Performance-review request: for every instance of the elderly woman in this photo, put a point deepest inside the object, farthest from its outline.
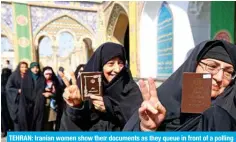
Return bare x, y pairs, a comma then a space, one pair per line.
121, 95
160, 109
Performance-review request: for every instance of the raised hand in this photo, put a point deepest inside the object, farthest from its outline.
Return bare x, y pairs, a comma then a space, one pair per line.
71, 93
63, 77
151, 112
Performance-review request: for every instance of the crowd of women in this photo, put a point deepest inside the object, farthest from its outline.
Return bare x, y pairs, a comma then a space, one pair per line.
36, 100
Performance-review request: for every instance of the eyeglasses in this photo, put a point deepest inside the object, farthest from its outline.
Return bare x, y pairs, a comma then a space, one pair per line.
229, 74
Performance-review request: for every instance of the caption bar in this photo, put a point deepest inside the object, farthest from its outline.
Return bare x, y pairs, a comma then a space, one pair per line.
122, 136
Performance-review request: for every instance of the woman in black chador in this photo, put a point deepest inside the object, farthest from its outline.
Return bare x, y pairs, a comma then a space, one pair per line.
31, 100
13, 90
53, 91
161, 109
5, 117
121, 95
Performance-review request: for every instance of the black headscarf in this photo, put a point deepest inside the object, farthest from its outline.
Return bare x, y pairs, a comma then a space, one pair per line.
4, 76
219, 53
35, 76
103, 54
54, 77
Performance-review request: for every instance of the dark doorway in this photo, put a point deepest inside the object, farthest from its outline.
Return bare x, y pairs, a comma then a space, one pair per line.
126, 44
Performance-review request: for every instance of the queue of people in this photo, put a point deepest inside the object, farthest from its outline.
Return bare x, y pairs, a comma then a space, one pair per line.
38, 100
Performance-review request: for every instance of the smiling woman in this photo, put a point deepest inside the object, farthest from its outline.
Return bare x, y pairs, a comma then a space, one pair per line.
111, 111
112, 68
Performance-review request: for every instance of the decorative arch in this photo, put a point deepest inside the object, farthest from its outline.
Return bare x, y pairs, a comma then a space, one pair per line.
41, 36
7, 33
89, 37
122, 5
66, 30
88, 44
54, 31
117, 10
64, 15
86, 48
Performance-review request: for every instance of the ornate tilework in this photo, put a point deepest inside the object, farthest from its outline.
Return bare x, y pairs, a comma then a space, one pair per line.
41, 15
86, 4
62, 2
6, 15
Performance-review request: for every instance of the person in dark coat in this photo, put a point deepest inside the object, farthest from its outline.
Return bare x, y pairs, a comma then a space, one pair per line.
31, 100
121, 95
13, 90
5, 116
161, 110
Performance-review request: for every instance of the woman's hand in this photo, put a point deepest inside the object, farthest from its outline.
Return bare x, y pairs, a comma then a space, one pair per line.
48, 90
152, 112
47, 94
98, 103
71, 93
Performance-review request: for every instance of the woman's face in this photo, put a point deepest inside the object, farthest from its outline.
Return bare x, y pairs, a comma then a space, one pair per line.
23, 68
48, 76
220, 78
35, 69
112, 68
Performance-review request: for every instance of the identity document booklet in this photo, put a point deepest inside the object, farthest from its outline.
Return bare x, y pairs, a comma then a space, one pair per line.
91, 83
196, 92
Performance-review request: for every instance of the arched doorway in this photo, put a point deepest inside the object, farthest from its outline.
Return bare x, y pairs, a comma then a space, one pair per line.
88, 48
118, 28
45, 52
121, 32
65, 51
67, 34
7, 51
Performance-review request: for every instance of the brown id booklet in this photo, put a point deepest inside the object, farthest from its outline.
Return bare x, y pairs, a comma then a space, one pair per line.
91, 83
196, 92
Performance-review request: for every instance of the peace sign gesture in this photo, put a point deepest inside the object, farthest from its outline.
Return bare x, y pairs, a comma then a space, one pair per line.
151, 112
71, 93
